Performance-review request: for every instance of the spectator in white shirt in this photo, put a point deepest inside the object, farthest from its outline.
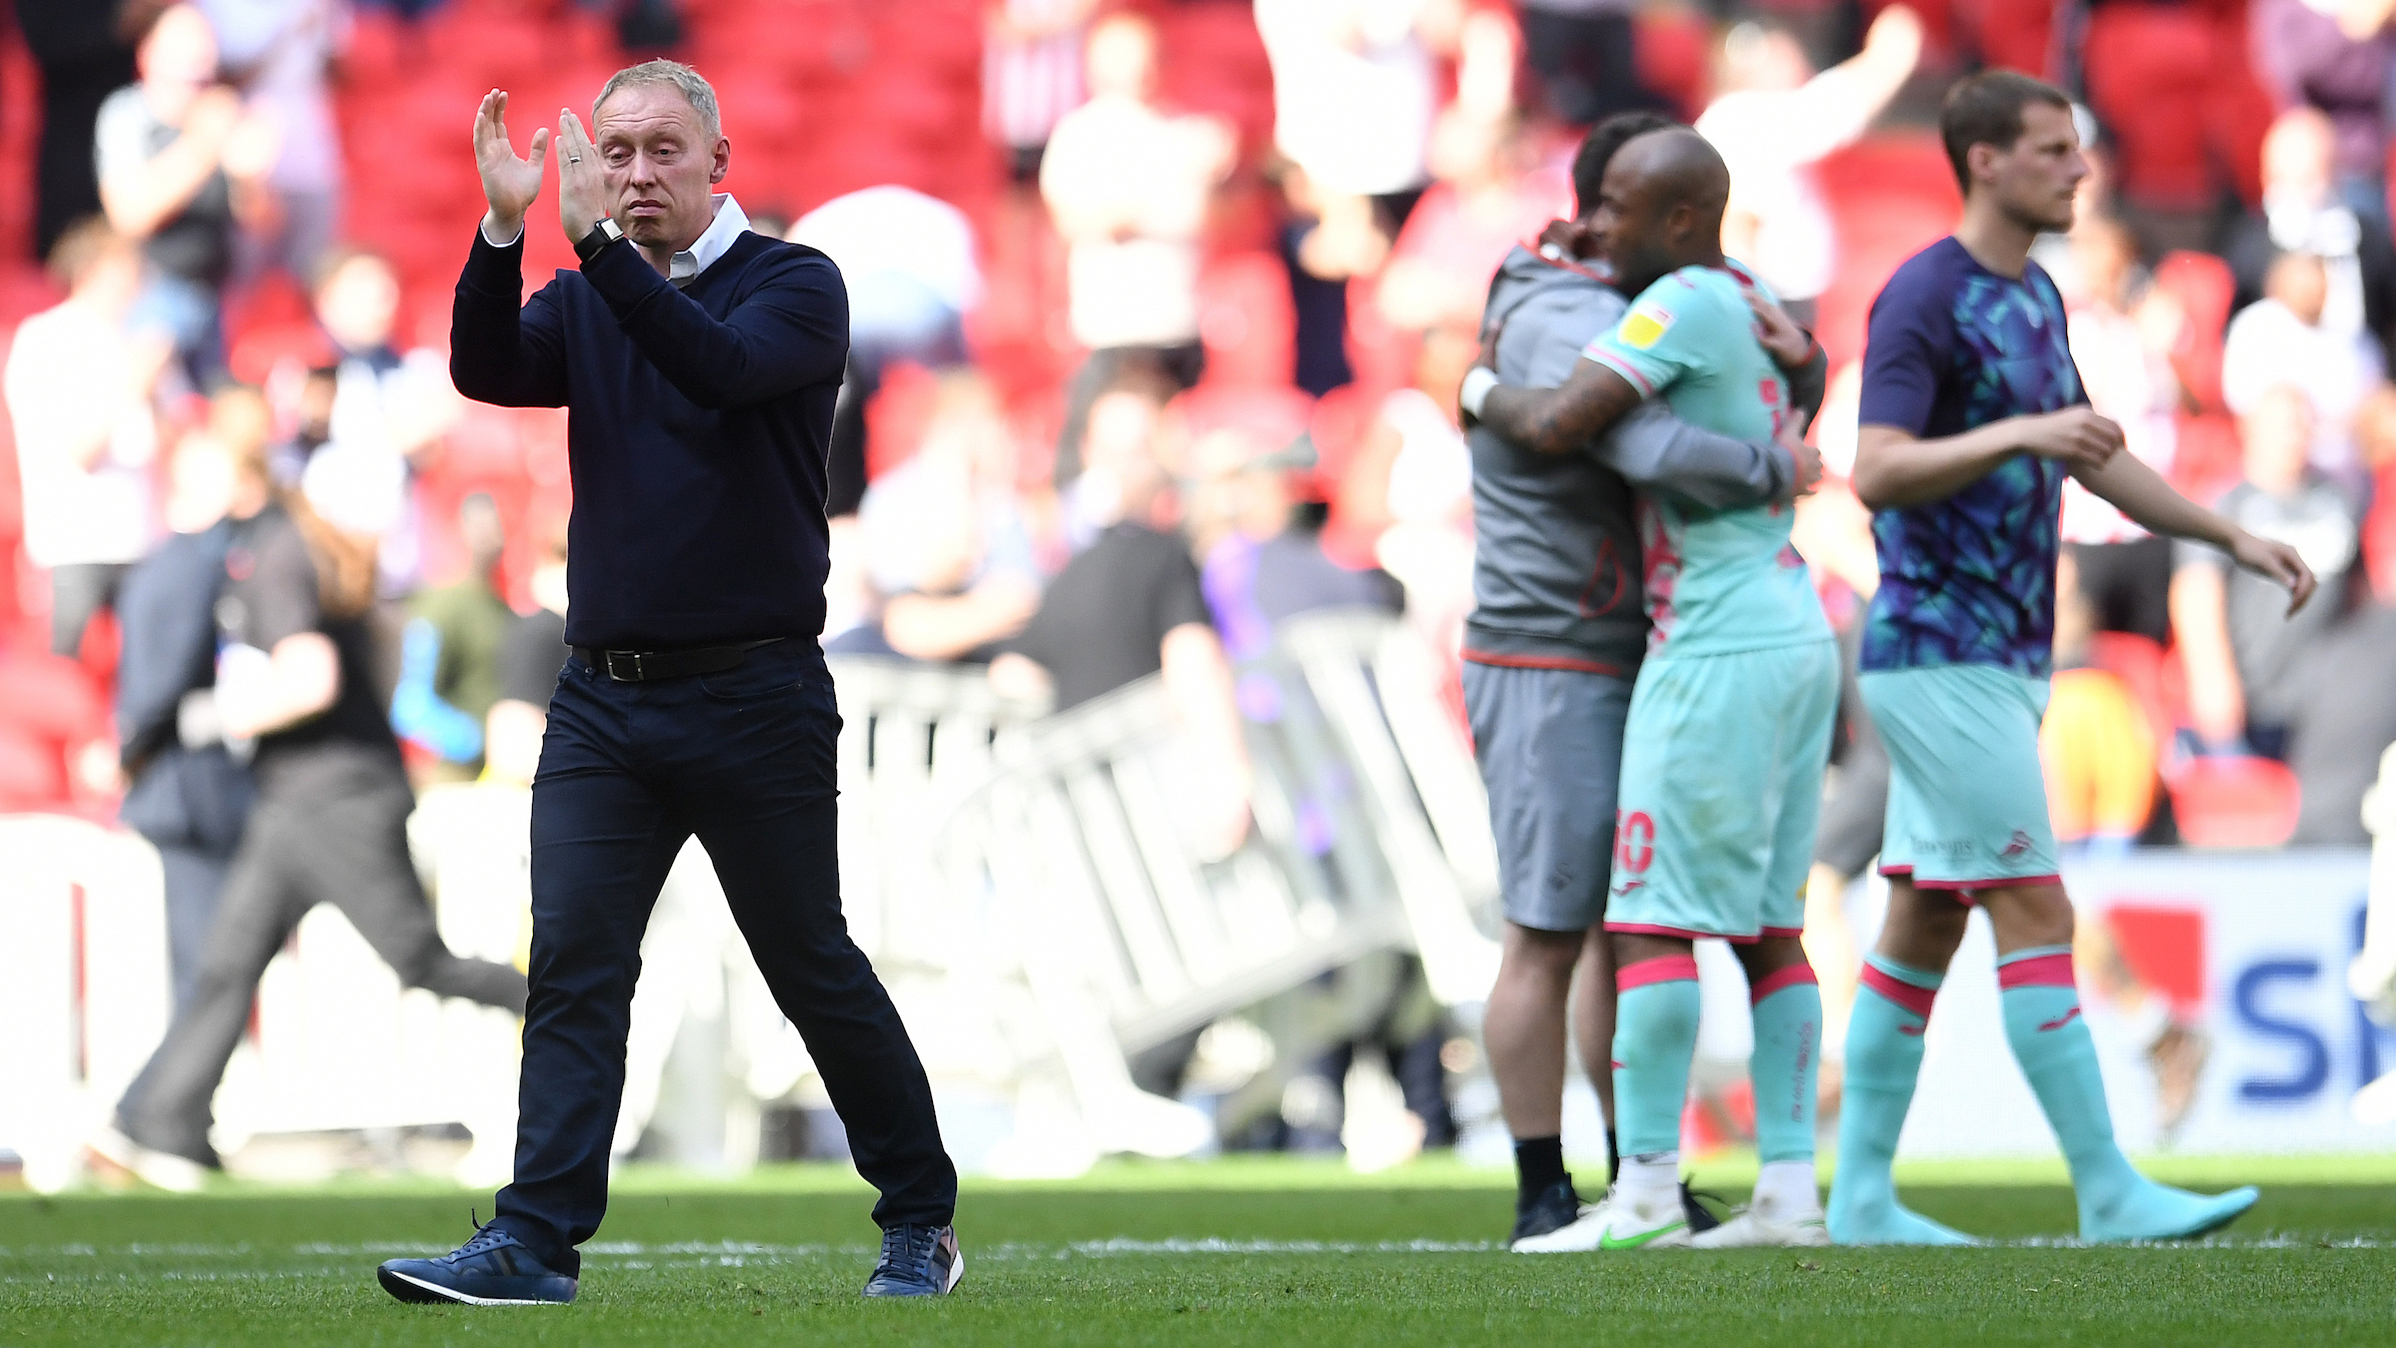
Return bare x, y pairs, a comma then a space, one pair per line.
79, 386
1773, 119
1128, 184
2283, 340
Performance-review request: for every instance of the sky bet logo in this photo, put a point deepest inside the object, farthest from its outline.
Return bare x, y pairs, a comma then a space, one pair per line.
2259, 994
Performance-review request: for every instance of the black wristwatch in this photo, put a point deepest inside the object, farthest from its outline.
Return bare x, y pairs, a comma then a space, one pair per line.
602, 234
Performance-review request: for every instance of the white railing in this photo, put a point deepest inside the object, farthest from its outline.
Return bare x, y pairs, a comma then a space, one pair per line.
1022, 883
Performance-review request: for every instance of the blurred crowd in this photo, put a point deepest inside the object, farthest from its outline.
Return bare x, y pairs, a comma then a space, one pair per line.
1159, 311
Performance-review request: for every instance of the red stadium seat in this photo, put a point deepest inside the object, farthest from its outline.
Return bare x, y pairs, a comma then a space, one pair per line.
1246, 320
32, 775
2140, 664
2379, 537
2018, 34
2234, 802
1675, 50
2150, 72
2204, 287
1890, 197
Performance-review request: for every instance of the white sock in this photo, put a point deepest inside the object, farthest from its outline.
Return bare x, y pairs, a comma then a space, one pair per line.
1787, 1189
1651, 1181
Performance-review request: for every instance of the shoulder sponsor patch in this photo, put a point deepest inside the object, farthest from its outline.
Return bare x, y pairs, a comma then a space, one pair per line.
1644, 326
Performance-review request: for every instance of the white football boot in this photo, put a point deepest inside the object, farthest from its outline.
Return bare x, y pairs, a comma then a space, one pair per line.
1765, 1222
1641, 1221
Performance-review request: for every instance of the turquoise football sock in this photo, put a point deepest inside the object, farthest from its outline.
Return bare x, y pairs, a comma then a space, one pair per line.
1884, 1060
2050, 1040
1787, 1058
1655, 1038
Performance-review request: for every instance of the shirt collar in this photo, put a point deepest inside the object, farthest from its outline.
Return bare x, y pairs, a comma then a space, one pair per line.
730, 223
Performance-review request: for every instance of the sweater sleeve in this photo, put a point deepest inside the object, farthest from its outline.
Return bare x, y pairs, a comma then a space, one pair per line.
791, 329
503, 349
1652, 448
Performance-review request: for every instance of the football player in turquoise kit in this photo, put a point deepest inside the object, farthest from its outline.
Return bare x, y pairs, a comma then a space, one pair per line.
1729, 725
1972, 416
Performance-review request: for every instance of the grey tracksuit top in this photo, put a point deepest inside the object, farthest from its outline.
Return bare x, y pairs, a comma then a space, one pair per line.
1556, 563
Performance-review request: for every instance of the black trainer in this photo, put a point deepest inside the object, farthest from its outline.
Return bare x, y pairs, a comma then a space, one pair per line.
1701, 1217
1556, 1207
917, 1261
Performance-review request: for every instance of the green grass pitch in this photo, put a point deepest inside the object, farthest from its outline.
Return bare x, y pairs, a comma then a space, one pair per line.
1244, 1252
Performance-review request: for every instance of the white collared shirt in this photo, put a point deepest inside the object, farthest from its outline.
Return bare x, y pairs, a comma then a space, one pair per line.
730, 223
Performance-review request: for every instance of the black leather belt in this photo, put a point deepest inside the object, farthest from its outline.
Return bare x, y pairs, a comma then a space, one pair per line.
643, 666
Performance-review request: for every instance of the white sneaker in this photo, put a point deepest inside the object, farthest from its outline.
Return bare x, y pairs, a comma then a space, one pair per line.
1582, 1233
165, 1170
1761, 1224
1624, 1223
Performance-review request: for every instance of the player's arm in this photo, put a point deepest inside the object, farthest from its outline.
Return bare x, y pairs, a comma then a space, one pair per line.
1552, 420
1658, 451
1894, 468
1907, 356
2139, 492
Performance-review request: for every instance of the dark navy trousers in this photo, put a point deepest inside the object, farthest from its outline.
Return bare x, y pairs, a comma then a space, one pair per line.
629, 771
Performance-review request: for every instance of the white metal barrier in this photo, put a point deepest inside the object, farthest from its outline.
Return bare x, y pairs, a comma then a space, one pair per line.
1022, 883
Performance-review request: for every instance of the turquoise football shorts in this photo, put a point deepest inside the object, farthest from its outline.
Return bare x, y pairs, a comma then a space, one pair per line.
1967, 800
1722, 765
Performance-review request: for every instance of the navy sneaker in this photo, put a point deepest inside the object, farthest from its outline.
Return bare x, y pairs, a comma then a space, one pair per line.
493, 1269
917, 1261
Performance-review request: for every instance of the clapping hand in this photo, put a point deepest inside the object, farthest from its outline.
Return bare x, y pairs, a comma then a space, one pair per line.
581, 178
509, 183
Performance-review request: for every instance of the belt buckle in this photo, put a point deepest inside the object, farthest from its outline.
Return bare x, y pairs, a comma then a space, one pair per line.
636, 676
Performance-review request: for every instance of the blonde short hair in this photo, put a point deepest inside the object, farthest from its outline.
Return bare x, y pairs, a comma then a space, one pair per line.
664, 74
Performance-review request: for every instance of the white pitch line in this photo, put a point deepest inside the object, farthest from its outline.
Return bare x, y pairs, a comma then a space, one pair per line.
641, 1255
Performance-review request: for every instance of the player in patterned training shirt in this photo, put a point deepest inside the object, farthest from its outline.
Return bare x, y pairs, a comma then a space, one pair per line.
1729, 726
1972, 416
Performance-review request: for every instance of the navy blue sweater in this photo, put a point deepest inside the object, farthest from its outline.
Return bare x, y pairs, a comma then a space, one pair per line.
697, 421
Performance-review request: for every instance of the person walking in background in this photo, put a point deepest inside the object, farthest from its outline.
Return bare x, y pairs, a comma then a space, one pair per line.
449, 655
699, 362
172, 150
80, 390
293, 688
184, 792
1128, 185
